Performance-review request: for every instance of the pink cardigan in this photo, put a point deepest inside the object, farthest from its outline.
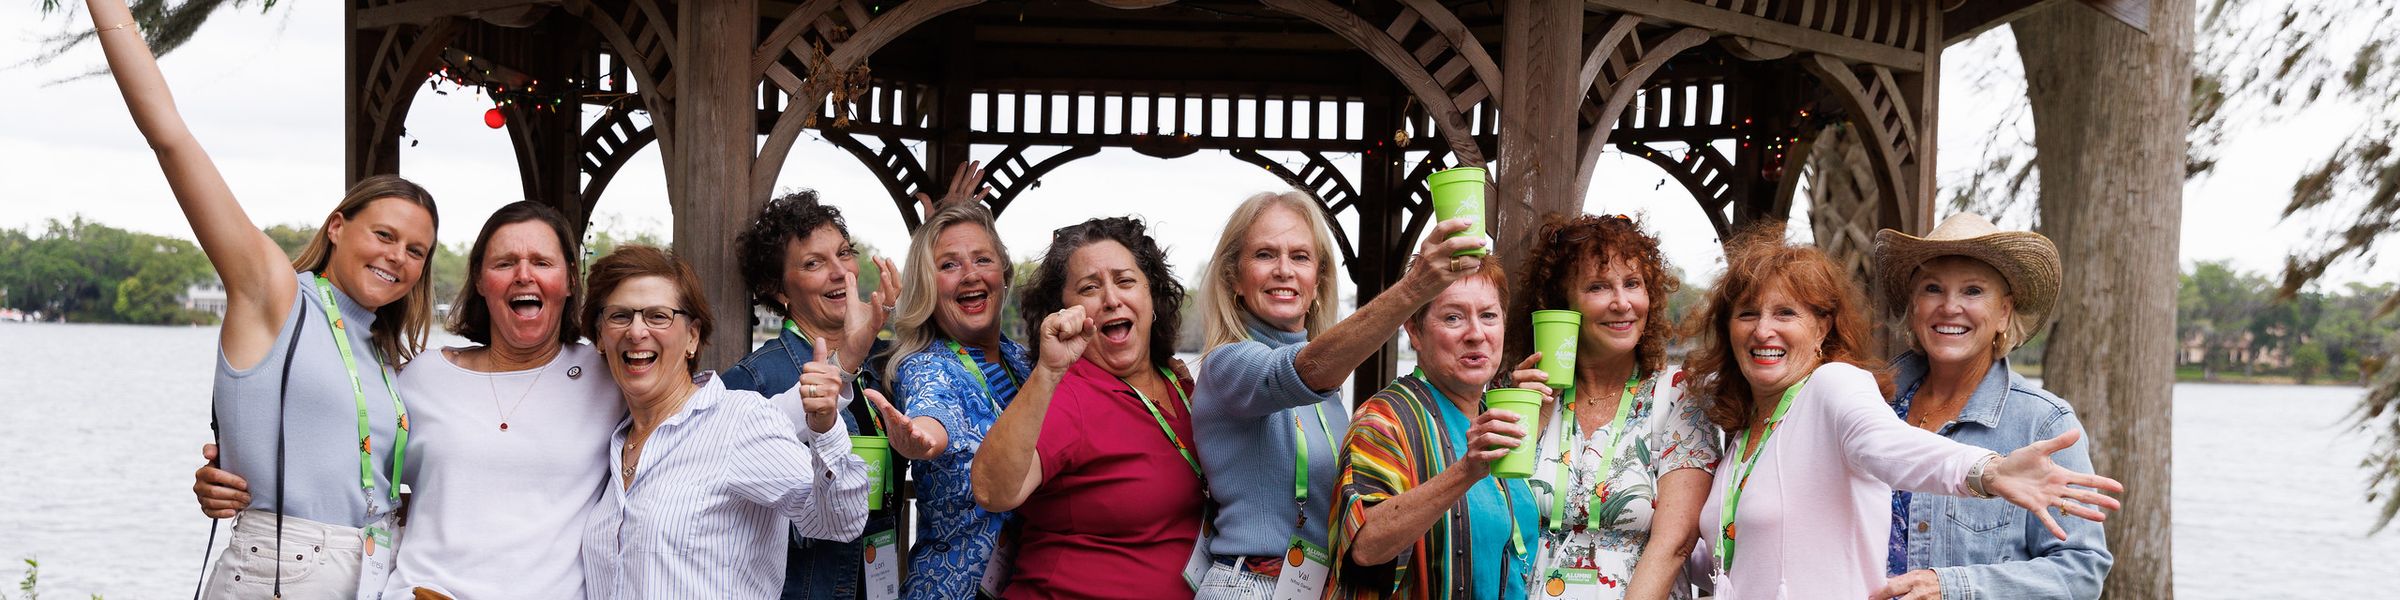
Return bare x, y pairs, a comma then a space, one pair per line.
1814, 519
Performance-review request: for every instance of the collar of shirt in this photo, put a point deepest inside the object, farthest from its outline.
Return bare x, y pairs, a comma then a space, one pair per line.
1984, 406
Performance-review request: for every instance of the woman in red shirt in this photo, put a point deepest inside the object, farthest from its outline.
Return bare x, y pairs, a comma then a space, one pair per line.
1095, 454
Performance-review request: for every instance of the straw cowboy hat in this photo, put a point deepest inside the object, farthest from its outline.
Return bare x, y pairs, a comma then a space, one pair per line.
2026, 259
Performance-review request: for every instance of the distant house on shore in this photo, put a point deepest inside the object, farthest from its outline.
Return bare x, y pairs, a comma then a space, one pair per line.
205, 297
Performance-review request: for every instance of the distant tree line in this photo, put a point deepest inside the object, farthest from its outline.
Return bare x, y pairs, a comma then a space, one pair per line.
82, 271
79, 270
2228, 320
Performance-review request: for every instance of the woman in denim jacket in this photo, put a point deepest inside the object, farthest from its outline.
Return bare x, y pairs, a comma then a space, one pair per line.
1970, 293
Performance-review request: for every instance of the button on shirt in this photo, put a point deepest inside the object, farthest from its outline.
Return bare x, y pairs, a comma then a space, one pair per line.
717, 486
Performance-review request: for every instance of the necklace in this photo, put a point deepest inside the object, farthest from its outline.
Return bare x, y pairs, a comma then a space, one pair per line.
633, 454
494, 382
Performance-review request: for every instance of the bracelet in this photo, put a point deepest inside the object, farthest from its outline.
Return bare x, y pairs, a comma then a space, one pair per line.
110, 28
1979, 477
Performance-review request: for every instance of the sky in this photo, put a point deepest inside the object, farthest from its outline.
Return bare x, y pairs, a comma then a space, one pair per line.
262, 92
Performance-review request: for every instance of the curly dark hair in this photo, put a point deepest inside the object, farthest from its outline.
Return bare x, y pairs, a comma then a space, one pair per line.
1757, 260
760, 246
1563, 251
1046, 293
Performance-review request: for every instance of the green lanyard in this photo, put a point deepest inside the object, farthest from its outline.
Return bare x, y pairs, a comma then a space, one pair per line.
1177, 386
976, 371
1733, 500
358, 392
1608, 457
1516, 537
1300, 460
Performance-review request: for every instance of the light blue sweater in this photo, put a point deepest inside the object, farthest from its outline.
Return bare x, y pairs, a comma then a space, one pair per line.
1243, 411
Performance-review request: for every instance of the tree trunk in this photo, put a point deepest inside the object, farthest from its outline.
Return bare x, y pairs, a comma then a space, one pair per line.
2109, 107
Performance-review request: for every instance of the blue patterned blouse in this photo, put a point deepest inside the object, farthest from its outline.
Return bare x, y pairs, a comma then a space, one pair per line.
954, 537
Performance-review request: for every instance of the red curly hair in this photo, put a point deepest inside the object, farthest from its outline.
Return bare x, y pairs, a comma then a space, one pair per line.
1567, 248
1757, 260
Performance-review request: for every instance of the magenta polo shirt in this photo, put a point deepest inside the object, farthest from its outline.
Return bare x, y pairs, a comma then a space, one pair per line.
1118, 509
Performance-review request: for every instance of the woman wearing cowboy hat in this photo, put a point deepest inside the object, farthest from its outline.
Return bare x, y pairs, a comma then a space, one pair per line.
1971, 292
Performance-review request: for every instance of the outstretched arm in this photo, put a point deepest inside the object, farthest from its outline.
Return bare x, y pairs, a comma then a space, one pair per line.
1330, 358
258, 283
1009, 465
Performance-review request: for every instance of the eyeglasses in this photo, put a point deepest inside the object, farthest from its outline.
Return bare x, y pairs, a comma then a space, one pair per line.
655, 317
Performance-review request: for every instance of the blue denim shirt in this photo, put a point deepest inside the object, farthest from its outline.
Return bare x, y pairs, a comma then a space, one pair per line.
1990, 548
818, 568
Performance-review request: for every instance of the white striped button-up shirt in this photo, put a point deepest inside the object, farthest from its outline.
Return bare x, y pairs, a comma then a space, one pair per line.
721, 485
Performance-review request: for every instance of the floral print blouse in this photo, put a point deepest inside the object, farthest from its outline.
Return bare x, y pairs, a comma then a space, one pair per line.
1662, 435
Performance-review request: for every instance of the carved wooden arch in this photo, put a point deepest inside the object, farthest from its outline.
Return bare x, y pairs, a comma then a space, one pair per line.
1614, 72
1445, 91
640, 34
1703, 171
894, 166
1872, 98
817, 34
401, 62
1843, 197
1011, 173
607, 145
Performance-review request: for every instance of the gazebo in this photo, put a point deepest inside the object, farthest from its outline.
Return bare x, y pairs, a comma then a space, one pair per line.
1535, 90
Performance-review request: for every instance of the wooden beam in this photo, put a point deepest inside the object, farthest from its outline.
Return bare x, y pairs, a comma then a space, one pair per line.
1733, 23
1974, 18
1541, 54
2133, 13
421, 12
712, 195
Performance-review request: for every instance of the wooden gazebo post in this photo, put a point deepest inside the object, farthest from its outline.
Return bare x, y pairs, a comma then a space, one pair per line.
708, 173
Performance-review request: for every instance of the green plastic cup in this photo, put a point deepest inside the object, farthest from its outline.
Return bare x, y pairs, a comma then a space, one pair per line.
1554, 335
877, 451
1459, 193
1527, 404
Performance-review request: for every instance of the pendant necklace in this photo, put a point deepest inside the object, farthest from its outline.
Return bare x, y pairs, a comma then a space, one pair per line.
494, 382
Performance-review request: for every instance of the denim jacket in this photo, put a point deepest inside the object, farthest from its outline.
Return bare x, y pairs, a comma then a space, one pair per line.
1990, 548
818, 568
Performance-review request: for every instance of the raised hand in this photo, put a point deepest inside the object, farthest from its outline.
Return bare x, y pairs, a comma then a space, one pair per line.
865, 315
821, 384
917, 441
1493, 435
221, 493
2028, 478
966, 185
1434, 265
1529, 375
1065, 334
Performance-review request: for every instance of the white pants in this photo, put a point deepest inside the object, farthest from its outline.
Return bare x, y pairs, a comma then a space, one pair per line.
1229, 582
319, 561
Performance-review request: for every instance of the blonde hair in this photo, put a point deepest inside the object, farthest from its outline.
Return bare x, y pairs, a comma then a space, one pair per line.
400, 327
913, 329
1222, 319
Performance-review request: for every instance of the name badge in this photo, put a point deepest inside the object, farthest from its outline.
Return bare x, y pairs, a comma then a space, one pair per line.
376, 559
995, 568
1304, 570
882, 566
1571, 583
1195, 569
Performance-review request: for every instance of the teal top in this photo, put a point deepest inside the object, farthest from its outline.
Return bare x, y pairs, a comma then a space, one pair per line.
1493, 542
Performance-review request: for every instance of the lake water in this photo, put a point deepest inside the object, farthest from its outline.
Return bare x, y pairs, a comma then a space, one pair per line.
101, 425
